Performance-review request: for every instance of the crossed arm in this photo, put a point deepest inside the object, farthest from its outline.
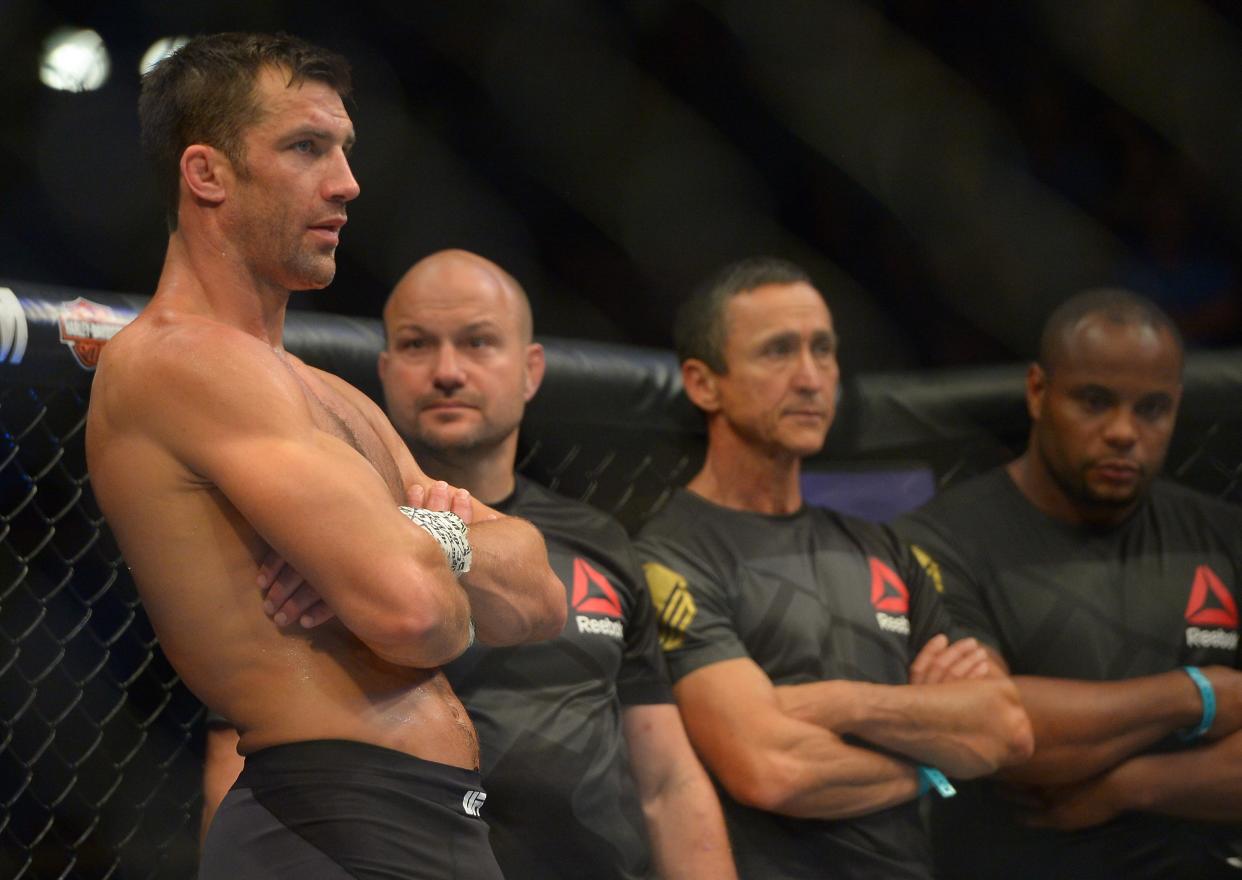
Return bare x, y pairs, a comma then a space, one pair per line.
508, 553
782, 749
1090, 762
768, 759
959, 714
1203, 783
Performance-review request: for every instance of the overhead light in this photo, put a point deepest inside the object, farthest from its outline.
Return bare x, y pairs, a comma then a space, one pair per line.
74, 60
160, 50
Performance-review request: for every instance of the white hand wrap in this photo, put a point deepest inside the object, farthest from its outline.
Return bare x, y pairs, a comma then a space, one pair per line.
449, 531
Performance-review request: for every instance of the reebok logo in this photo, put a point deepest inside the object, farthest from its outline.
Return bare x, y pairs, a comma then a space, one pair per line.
1210, 601
888, 592
891, 598
1211, 613
593, 595
472, 803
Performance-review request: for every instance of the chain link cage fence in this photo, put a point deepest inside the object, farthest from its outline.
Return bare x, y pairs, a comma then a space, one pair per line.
101, 744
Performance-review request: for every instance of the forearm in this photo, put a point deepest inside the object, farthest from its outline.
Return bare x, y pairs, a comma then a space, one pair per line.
429, 636
686, 828
1084, 728
1203, 783
965, 728
829, 779
514, 595
800, 770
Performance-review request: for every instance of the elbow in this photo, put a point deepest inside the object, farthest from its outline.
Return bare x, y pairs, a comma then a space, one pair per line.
762, 782
1010, 739
418, 639
549, 621
538, 617
1019, 737
1000, 736
1014, 733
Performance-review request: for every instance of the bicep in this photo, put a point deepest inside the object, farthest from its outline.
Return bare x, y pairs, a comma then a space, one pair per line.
730, 712
306, 493
324, 509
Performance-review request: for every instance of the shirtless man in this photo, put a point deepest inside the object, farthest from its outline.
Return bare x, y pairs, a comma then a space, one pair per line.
210, 448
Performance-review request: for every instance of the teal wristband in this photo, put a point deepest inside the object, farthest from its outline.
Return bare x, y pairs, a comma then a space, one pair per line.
930, 777
1208, 696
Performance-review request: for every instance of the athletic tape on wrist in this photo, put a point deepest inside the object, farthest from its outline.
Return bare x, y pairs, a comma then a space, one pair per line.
1208, 695
449, 531
931, 778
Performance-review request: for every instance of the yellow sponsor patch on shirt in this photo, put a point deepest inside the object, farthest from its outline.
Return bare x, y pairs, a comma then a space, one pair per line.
672, 599
931, 566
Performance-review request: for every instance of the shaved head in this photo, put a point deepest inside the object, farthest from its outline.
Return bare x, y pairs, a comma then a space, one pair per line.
459, 363
457, 269
1109, 307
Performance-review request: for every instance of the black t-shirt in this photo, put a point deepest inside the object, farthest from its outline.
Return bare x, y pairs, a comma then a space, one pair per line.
561, 800
808, 597
1159, 591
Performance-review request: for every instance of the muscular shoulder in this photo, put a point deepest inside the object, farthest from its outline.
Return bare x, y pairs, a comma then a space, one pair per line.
181, 386
176, 362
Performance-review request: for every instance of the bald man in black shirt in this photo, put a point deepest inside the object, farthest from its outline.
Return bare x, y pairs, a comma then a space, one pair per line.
1113, 598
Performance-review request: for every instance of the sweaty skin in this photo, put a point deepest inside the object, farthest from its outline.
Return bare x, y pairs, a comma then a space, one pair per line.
210, 448
195, 556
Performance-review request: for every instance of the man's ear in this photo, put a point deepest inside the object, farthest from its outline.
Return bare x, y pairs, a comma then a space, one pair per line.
381, 365
1036, 387
206, 173
536, 363
701, 385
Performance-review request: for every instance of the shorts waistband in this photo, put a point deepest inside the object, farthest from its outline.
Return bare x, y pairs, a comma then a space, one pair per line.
326, 760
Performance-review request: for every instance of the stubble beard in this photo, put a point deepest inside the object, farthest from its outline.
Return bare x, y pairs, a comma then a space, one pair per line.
1077, 487
313, 271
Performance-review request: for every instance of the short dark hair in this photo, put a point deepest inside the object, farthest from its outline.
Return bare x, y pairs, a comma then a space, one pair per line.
1116, 305
699, 331
204, 94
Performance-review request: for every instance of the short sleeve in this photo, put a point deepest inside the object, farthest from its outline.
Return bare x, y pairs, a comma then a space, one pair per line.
949, 576
928, 616
693, 611
643, 677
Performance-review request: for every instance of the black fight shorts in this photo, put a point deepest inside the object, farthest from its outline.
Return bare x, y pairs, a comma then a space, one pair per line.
334, 809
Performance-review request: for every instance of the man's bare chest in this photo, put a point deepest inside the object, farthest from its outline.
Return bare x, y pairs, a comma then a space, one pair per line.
340, 417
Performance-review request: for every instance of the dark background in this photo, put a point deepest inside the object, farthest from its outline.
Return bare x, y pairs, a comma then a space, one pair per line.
947, 170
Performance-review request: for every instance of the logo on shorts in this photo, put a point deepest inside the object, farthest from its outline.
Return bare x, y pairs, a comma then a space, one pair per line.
890, 597
472, 803
1211, 613
593, 595
671, 596
13, 331
85, 327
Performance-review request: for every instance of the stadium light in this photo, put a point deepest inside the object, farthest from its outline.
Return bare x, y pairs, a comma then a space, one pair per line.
74, 60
